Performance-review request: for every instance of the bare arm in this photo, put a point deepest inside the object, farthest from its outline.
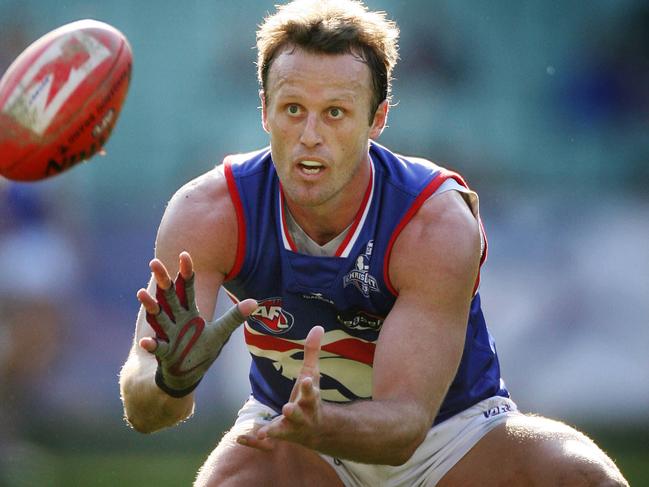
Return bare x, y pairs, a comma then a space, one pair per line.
433, 266
199, 219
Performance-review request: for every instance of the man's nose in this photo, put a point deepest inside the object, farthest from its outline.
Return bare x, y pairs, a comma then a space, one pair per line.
311, 131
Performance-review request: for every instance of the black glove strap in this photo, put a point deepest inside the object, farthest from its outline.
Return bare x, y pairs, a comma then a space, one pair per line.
159, 380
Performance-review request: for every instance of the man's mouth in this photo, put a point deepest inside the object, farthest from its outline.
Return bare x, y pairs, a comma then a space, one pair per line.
311, 167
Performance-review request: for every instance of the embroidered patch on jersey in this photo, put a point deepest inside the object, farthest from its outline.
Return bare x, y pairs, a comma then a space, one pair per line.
272, 317
359, 320
360, 276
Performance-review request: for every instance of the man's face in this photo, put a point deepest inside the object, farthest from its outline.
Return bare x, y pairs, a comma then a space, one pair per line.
316, 110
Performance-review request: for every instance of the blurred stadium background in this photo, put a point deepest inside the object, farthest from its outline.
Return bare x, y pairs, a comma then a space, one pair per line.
543, 106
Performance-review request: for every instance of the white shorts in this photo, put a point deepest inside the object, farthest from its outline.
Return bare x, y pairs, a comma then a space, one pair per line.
444, 445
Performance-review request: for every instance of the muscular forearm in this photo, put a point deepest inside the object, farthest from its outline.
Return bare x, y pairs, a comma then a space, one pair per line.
146, 407
376, 431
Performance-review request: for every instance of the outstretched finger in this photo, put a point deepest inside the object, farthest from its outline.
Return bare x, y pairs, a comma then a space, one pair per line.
310, 367
293, 413
307, 391
186, 265
279, 428
159, 321
312, 346
250, 440
305, 401
148, 301
253, 440
165, 292
184, 284
160, 274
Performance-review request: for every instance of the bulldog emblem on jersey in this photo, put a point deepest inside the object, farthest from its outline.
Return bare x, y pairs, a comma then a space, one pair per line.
360, 276
272, 317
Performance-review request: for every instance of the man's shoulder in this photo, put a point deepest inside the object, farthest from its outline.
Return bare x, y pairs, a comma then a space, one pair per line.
409, 173
208, 188
207, 199
406, 159
443, 237
202, 202
249, 161
200, 218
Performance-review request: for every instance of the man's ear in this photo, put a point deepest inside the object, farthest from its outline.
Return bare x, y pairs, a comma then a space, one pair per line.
264, 120
380, 119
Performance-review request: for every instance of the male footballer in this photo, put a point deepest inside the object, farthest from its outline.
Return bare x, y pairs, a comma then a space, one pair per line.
356, 273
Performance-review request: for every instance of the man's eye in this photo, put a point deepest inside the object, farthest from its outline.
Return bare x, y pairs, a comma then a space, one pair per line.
293, 109
335, 112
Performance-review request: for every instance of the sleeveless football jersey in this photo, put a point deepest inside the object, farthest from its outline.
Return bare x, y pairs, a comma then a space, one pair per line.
348, 294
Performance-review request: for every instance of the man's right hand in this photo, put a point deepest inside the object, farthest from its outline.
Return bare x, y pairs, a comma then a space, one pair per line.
185, 345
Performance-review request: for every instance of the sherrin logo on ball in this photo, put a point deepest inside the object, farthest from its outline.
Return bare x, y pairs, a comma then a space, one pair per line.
60, 99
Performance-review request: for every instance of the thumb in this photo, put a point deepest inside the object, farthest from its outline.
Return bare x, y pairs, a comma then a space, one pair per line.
232, 318
154, 346
148, 344
247, 307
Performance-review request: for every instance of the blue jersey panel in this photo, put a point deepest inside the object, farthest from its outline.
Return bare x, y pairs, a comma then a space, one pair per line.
348, 294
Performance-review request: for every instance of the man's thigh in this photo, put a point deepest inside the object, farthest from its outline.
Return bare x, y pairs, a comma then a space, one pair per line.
534, 451
288, 464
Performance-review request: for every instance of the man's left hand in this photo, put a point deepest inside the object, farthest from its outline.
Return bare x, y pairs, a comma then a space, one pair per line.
300, 420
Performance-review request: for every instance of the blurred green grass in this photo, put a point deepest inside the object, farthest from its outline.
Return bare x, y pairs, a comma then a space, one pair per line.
133, 466
128, 469
95, 469
131, 469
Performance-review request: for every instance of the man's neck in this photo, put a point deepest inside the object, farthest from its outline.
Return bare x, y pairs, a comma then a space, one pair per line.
306, 245
325, 222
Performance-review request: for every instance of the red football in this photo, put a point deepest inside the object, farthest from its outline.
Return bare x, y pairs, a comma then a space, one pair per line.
60, 99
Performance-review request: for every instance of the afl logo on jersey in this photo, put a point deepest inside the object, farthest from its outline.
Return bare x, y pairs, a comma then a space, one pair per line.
272, 317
